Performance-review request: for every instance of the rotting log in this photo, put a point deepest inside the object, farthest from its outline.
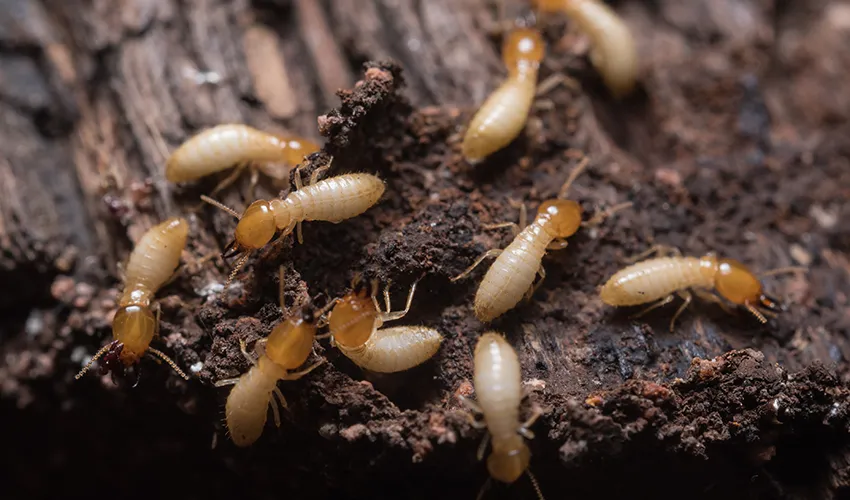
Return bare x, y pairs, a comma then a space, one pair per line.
731, 144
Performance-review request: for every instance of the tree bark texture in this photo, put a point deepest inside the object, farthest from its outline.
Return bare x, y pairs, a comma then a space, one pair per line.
736, 141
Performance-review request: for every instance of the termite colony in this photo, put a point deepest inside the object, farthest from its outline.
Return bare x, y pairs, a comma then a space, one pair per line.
355, 321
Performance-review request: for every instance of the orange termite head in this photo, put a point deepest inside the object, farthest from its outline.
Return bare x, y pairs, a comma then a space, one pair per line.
256, 227
508, 465
133, 329
739, 285
352, 320
523, 49
291, 341
563, 217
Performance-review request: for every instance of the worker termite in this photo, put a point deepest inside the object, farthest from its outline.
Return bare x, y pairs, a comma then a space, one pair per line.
151, 264
613, 52
224, 146
512, 274
285, 349
503, 115
355, 326
498, 385
661, 278
332, 200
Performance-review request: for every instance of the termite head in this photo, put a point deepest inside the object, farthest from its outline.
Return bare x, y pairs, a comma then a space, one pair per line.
508, 465
352, 320
291, 341
739, 285
563, 217
256, 227
133, 329
523, 49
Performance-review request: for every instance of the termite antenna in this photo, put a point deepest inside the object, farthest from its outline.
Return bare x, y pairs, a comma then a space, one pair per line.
92, 360
535, 484
219, 205
484, 488
168, 360
236, 269
755, 312
784, 270
577, 170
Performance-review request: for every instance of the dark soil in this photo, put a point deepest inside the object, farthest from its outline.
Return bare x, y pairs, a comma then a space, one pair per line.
739, 148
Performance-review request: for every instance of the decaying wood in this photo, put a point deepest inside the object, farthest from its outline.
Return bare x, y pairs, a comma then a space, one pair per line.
736, 141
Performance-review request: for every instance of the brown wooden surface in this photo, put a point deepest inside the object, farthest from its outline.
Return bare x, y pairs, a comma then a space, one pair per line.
737, 139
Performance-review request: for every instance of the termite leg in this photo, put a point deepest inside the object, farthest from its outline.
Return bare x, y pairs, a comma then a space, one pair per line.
255, 179
541, 273
299, 183
94, 358
260, 347
524, 428
474, 409
243, 348
280, 399
230, 179
297, 375
314, 177
710, 297
663, 302
275, 411
226, 381
482, 448
600, 217
658, 249
168, 360
515, 228
489, 253
686, 295
577, 170
558, 244
392, 316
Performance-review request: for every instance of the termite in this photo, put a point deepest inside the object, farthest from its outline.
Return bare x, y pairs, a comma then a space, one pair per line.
355, 327
151, 264
660, 279
503, 115
225, 146
332, 200
285, 349
613, 52
512, 274
498, 386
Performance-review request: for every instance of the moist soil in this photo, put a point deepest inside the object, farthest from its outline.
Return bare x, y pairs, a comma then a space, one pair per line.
721, 407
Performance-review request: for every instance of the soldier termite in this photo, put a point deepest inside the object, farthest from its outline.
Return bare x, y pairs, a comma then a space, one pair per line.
151, 264
613, 52
660, 279
285, 349
503, 115
355, 326
512, 274
332, 200
498, 387
225, 146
